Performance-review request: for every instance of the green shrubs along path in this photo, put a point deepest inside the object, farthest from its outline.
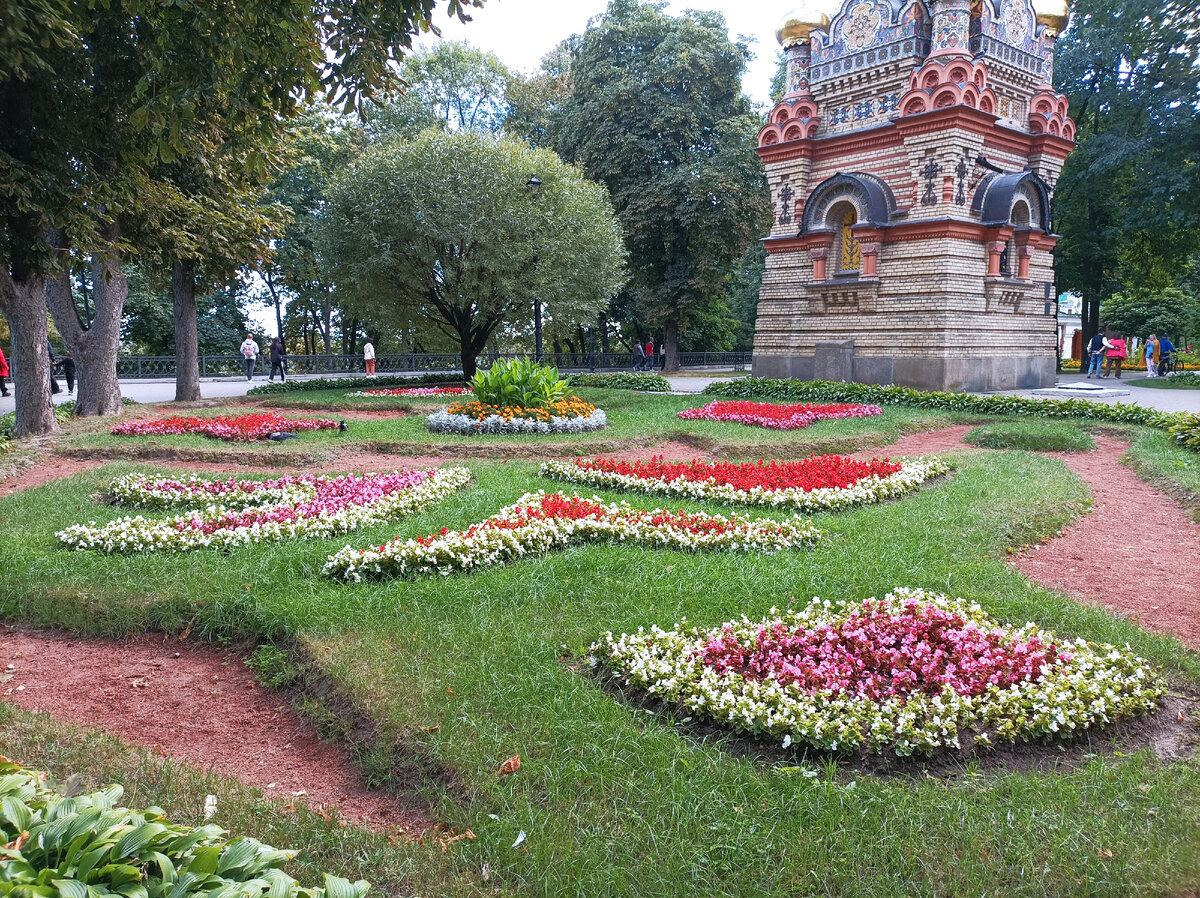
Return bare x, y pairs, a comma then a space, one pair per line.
463, 672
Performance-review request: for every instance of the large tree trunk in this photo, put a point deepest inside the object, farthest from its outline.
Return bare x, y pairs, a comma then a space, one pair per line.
24, 306
671, 343
94, 348
187, 337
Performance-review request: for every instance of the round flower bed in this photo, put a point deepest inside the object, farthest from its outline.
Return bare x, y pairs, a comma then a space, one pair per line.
412, 392
234, 428
909, 673
777, 417
231, 513
540, 523
569, 415
818, 483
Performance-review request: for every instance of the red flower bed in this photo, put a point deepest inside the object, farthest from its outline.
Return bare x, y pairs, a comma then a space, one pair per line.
879, 652
234, 428
777, 417
815, 472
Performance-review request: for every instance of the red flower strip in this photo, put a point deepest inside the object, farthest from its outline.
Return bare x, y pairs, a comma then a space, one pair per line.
233, 428
815, 472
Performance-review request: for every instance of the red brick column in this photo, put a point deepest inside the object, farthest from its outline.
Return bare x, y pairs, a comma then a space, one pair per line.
870, 257
819, 256
1024, 254
994, 251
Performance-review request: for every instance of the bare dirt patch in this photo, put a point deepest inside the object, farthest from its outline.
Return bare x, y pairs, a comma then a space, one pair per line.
200, 705
1136, 553
947, 439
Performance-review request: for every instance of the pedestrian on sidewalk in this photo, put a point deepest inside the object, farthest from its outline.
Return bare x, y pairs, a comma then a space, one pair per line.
1152, 356
650, 354
278, 361
1116, 355
54, 387
1096, 348
369, 357
3, 374
250, 354
639, 356
68, 369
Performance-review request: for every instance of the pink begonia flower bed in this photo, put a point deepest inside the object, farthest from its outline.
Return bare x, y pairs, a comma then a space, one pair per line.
909, 673
414, 392
777, 417
235, 513
232, 428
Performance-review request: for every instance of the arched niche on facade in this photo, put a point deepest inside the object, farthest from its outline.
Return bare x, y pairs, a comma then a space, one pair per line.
869, 197
1020, 199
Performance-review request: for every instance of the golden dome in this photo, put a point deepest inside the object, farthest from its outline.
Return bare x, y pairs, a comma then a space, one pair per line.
800, 23
1053, 14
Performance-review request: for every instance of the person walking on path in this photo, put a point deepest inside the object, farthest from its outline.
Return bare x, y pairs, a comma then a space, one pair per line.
68, 369
3, 374
369, 357
650, 354
54, 387
639, 356
1096, 347
1152, 356
1116, 355
278, 361
250, 354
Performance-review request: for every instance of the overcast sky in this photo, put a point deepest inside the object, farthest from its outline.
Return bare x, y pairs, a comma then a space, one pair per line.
521, 32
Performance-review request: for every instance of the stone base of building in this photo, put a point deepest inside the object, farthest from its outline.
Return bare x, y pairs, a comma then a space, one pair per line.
971, 375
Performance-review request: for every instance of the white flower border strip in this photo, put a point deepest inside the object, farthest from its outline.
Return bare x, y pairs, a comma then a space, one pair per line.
138, 534
146, 491
1098, 685
515, 533
442, 421
913, 472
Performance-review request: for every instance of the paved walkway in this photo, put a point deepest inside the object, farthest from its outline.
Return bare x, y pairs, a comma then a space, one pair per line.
164, 391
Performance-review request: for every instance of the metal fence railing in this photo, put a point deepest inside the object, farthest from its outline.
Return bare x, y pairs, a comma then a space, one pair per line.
156, 366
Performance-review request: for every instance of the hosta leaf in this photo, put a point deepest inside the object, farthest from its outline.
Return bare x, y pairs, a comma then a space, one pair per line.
336, 887
16, 812
206, 860
71, 888
237, 855
135, 841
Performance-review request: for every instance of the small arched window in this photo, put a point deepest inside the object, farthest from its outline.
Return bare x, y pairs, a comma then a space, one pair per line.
851, 254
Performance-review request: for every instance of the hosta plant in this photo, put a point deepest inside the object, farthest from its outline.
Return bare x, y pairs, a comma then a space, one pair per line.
518, 383
909, 674
88, 846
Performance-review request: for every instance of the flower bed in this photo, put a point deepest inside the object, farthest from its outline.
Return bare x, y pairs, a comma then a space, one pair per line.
234, 428
777, 417
540, 523
818, 483
569, 415
909, 673
415, 392
235, 513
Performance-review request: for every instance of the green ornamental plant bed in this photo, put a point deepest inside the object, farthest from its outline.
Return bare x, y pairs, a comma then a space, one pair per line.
1033, 436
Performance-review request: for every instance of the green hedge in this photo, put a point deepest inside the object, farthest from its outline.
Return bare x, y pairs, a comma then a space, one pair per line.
1183, 427
87, 846
352, 383
647, 383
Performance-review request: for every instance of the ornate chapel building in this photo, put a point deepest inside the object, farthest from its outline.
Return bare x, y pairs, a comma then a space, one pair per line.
912, 165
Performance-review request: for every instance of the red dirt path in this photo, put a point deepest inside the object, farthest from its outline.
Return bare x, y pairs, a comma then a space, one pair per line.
195, 704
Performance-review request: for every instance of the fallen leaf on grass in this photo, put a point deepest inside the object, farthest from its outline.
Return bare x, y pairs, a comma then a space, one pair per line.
1104, 852
449, 838
520, 838
431, 729
512, 765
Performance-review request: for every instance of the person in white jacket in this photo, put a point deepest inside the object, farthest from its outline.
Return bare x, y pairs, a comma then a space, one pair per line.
369, 356
250, 354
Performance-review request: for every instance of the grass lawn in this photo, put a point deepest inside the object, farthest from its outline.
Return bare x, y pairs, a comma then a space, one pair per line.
462, 672
1189, 382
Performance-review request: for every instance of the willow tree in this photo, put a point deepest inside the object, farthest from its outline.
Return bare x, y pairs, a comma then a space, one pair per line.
448, 227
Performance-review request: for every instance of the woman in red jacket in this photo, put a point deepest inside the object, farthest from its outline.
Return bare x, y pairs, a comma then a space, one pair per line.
3, 373
1116, 355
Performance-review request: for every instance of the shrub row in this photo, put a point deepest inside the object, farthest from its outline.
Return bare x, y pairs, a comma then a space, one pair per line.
353, 383
1183, 427
61, 847
647, 383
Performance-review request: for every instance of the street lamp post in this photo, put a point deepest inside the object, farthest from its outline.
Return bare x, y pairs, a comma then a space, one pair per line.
535, 189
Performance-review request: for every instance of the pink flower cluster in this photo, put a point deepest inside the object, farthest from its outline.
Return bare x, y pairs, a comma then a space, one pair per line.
415, 391
878, 653
233, 428
330, 496
777, 417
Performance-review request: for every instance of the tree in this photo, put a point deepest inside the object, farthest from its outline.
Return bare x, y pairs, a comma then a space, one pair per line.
445, 226
462, 86
656, 114
94, 96
1128, 201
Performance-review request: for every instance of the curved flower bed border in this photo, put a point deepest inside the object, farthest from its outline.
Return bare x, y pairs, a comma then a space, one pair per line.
443, 421
305, 507
776, 417
540, 523
686, 480
232, 428
845, 677
414, 392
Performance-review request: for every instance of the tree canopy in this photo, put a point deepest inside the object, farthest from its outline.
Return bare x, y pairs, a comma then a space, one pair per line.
447, 227
656, 114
